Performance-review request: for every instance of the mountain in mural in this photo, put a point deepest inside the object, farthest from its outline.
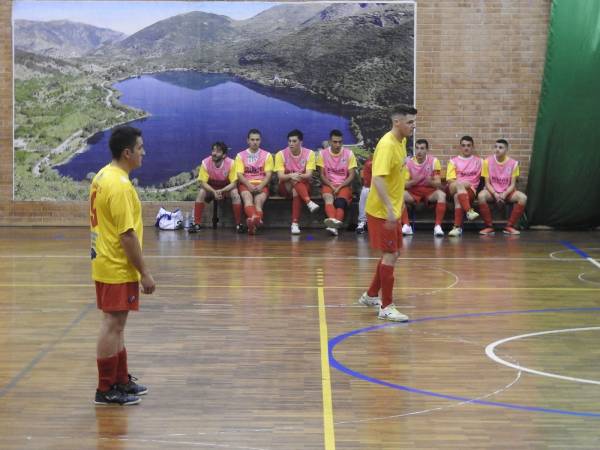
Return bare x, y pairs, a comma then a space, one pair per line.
61, 38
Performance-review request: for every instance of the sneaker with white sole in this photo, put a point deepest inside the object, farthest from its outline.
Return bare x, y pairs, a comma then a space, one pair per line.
131, 387
472, 214
295, 229
407, 230
332, 222
332, 231
312, 206
391, 313
367, 300
455, 232
361, 227
437, 231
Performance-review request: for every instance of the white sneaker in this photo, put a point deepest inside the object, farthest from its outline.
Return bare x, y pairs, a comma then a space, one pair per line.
472, 214
407, 230
437, 231
295, 228
391, 313
332, 231
360, 228
367, 300
331, 222
455, 232
312, 206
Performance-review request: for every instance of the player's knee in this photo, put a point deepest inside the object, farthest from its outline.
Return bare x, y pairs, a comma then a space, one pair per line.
522, 199
340, 203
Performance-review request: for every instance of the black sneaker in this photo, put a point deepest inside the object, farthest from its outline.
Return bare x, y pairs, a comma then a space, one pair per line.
115, 397
194, 228
239, 228
132, 388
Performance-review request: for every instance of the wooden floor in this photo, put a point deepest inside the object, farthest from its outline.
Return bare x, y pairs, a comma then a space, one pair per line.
232, 344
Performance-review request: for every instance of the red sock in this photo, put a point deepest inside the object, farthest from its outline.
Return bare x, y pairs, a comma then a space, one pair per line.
107, 372
386, 273
296, 208
458, 217
516, 214
404, 218
486, 214
122, 371
237, 212
463, 199
300, 188
375, 286
250, 211
339, 214
330, 210
198, 208
440, 210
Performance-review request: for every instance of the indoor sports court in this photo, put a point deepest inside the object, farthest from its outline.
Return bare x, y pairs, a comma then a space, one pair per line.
265, 346
253, 174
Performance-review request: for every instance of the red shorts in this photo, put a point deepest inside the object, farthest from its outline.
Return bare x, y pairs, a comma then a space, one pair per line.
118, 297
508, 197
382, 238
345, 192
421, 193
209, 197
288, 194
242, 188
470, 192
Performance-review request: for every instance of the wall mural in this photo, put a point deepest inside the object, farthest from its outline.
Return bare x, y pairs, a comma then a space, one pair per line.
191, 73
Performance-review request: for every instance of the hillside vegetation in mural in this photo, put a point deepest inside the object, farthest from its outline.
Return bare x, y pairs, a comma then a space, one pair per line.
356, 55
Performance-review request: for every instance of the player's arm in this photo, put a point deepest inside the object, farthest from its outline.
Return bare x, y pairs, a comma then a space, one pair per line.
268, 173
352, 165
133, 251
310, 167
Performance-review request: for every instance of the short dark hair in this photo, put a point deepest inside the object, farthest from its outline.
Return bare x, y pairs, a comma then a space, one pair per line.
502, 141
123, 137
402, 110
422, 141
254, 131
296, 132
467, 138
221, 146
335, 132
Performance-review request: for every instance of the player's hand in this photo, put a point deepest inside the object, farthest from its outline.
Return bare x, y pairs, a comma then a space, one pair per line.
336, 190
295, 177
391, 221
219, 194
148, 284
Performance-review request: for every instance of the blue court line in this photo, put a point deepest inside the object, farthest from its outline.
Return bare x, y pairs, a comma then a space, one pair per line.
580, 252
41, 354
342, 368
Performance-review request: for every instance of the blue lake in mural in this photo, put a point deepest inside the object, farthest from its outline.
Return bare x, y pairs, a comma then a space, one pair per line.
191, 110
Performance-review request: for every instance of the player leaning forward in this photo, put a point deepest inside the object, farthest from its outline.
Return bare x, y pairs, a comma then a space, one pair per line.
384, 208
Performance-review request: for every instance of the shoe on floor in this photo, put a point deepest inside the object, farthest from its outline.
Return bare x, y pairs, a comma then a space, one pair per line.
487, 231
511, 230
472, 214
132, 388
407, 230
437, 231
391, 313
455, 232
367, 300
332, 222
115, 397
295, 228
332, 231
312, 206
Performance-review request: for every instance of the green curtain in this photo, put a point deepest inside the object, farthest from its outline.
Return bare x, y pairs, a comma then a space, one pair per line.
564, 178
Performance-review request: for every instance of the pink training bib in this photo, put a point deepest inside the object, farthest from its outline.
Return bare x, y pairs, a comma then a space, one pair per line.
468, 169
293, 163
501, 174
421, 172
254, 163
336, 167
217, 173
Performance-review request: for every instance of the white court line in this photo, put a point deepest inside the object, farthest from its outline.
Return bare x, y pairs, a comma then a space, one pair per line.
333, 258
489, 351
592, 260
581, 277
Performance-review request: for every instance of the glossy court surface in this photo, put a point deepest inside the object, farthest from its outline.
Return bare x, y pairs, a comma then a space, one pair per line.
258, 343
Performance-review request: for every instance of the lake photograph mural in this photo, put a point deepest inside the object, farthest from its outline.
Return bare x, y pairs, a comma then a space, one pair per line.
192, 73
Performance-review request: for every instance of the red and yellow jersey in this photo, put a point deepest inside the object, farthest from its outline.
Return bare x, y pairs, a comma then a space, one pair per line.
389, 162
114, 209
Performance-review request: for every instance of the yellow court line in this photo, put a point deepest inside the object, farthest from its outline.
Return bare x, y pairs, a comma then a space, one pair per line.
287, 286
328, 427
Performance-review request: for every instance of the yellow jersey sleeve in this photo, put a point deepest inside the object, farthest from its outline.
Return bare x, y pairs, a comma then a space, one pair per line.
407, 174
320, 161
232, 174
311, 165
437, 165
383, 164
239, 165
121, 209
516, 171
450, 171
203, 174
269, 163
352, 162
279, 162
485, 169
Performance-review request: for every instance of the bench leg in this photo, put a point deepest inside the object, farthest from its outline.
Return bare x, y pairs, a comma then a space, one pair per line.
215, 217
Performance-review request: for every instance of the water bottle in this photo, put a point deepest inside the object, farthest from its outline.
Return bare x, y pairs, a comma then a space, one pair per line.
188, 220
